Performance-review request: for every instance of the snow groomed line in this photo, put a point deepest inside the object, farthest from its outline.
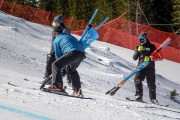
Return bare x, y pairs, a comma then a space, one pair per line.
27, 114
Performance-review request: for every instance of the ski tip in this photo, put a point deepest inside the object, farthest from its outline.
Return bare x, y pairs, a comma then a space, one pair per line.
166, 106
112, 93
169, 39
107, 92
41, 87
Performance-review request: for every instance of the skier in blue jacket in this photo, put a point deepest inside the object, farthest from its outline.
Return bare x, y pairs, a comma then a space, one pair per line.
57, 22
69, 54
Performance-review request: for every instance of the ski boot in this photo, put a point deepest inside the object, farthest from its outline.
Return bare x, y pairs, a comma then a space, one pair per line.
154, 101
77, 93
138, 98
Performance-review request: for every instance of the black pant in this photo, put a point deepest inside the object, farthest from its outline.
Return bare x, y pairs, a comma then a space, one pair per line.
149, 74
72, 59
50, 59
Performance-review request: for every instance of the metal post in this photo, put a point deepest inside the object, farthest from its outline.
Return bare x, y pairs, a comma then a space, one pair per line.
137, 14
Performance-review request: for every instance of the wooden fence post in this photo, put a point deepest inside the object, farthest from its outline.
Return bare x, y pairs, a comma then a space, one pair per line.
47, 18
1, 3
36, 15
70, 22
12, 8
25, 12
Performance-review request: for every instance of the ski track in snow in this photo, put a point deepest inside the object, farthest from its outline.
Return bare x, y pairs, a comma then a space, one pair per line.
23, 49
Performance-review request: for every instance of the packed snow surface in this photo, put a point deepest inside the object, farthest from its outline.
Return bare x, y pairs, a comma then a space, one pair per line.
23, 50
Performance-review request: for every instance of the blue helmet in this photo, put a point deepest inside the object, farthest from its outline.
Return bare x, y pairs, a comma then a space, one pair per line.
143, 38
59, 19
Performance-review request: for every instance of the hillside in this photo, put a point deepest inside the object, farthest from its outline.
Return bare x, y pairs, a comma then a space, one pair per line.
23, 49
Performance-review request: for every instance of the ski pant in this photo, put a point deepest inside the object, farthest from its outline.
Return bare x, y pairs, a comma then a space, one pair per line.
50, 59
149, 74
72, 59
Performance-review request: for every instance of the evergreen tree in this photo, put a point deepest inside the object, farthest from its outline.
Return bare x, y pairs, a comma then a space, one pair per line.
176, 16
65, 7
118, 7
131, 7
48, 5
84, 9
17, 1
57, 8
112, 9
72, 8
32, 3
163, 10
152, 12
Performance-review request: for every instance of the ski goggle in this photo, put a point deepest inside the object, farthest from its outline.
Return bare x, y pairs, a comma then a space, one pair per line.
141, 40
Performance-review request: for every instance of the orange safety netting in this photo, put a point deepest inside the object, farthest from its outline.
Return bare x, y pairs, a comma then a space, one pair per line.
39, 16
135, 29
122, 32
119, 31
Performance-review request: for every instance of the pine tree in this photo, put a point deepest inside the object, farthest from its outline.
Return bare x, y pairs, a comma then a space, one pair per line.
17, 1
176, 16
163, 10
173, 94
152, 12
32, 3
118, 7
48, 5
132, 5
65, 7
84, 9
72, 8
57, 7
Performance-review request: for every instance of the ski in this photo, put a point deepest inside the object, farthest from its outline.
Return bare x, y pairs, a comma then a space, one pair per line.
139, 68
53, 92
65, 94
133, 100
12, 84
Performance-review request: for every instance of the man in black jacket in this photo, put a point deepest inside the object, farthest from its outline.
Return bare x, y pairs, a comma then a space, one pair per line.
143, 52
57, 22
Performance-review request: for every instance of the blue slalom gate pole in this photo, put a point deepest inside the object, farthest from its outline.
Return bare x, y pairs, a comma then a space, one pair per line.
102, 23
90, 21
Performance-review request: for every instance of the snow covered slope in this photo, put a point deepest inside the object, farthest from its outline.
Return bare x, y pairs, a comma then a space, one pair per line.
23, 49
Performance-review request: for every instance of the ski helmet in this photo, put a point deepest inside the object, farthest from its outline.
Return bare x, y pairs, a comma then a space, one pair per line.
143, 38
58, 19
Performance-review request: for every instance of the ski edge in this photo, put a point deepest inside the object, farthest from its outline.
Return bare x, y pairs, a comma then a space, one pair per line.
65, 94
133, 100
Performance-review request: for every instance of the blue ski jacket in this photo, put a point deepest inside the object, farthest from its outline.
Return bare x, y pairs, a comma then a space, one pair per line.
65, 43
